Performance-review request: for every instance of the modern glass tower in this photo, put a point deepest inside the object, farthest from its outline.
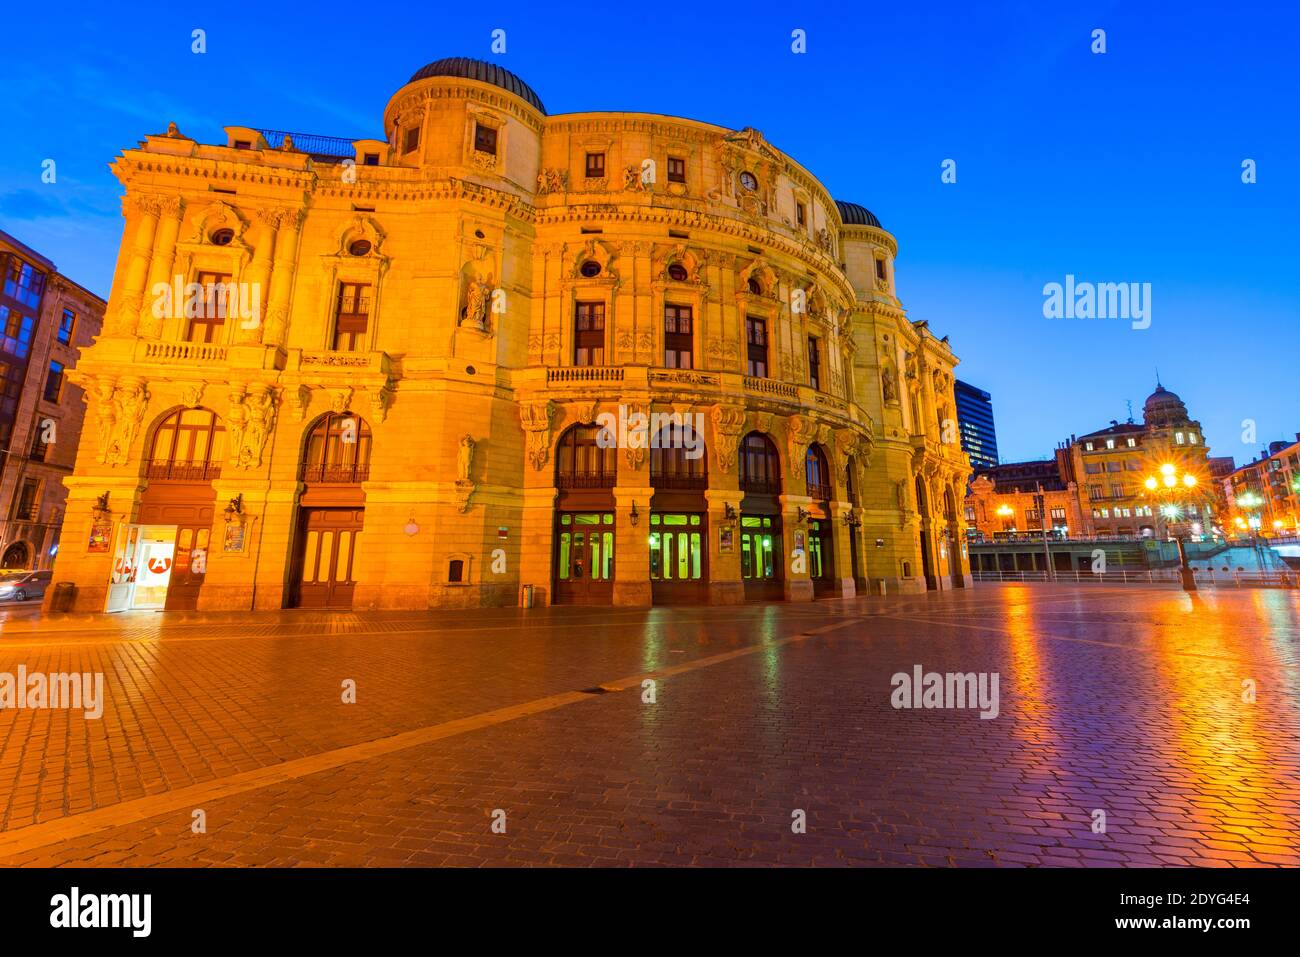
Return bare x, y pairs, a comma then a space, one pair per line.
979, 438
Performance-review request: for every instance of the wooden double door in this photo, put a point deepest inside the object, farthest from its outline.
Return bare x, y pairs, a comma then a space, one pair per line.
327, 560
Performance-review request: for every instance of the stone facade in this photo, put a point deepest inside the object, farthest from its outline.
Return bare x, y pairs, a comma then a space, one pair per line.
423, 291
45, 320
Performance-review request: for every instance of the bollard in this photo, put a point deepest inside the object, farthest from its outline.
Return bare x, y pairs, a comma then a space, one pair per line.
526, 597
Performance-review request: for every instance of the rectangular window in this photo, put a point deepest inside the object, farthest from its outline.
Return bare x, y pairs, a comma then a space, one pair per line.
24, 283
485, 139
206, 325
66, 325
589, 334
880, 269
370, 159
756, 344
15, 333
1180, 438
54, 382
678, 338
801, 214
676, 169
25, 505
352, 317
595, 165
814, 364
1132, 443
1110, 443
412, 140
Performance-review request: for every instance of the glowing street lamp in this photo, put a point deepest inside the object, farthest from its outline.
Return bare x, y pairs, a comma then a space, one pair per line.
1006, 512
1165, 487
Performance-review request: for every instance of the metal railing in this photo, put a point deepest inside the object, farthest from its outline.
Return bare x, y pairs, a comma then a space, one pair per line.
585, 479
1149, 576
335, 474
183, 471
311, 143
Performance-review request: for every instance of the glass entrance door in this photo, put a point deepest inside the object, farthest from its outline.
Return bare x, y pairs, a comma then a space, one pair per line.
678, 558
821, 567
760, 557
584, 558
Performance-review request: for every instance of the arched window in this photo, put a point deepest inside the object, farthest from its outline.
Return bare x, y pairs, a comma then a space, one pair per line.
580, 462
850, 487
338, 450
188, 446
760, 465
677, 458
818, 474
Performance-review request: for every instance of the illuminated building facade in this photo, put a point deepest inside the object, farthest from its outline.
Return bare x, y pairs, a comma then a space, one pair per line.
377, 373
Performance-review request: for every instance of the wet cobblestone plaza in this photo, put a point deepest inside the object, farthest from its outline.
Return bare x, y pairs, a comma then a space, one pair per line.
769, 735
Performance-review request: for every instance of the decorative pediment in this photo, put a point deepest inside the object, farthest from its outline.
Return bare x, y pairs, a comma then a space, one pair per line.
593, 251
760, 271
217, 216
358, 229
684, 256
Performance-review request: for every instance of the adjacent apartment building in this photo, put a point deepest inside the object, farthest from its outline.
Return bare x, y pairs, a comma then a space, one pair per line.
45, 320
497, 355
1094, 484
1264, 494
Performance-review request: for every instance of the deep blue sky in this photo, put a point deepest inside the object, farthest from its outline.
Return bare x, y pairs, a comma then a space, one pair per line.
1120, 167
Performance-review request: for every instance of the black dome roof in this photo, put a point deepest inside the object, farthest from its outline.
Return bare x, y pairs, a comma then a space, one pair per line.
855, 215
469, 69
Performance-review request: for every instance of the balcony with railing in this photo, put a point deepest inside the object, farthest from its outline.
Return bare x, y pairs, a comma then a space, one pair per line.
679, 481
183, 471
333, 474
585, 479
819, 492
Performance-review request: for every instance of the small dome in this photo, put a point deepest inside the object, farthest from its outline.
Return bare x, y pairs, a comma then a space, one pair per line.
855, 215
469, 69
1163, 406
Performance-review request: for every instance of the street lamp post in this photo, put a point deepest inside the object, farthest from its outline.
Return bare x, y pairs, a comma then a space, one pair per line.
1165, 489
1251, 503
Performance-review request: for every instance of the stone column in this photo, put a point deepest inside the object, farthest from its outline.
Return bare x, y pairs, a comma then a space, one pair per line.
798, 584
171, 210
632, 546
725, 584
286, 263
145, 210
259, 272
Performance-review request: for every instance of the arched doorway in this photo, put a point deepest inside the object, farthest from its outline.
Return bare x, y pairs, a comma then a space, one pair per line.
331, 512
585, 472
679, 516
923, 512
762, 562
165, 557
17, 556
956, 570
821, 535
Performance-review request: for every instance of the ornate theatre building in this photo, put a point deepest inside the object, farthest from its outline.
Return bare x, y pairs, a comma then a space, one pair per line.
373, 373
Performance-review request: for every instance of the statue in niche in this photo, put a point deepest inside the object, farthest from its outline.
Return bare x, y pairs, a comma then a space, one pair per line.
465, 457
889, 384
477, 298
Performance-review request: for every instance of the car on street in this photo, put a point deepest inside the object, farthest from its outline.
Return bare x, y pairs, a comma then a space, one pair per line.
23, 586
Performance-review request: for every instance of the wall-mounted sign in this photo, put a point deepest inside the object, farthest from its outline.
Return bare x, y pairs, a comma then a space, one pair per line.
726, 538
502, 532
100, 533
234, 537
798, 541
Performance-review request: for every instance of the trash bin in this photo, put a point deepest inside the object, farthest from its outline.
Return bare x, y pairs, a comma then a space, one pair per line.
880, 586
64, 592
526, 596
